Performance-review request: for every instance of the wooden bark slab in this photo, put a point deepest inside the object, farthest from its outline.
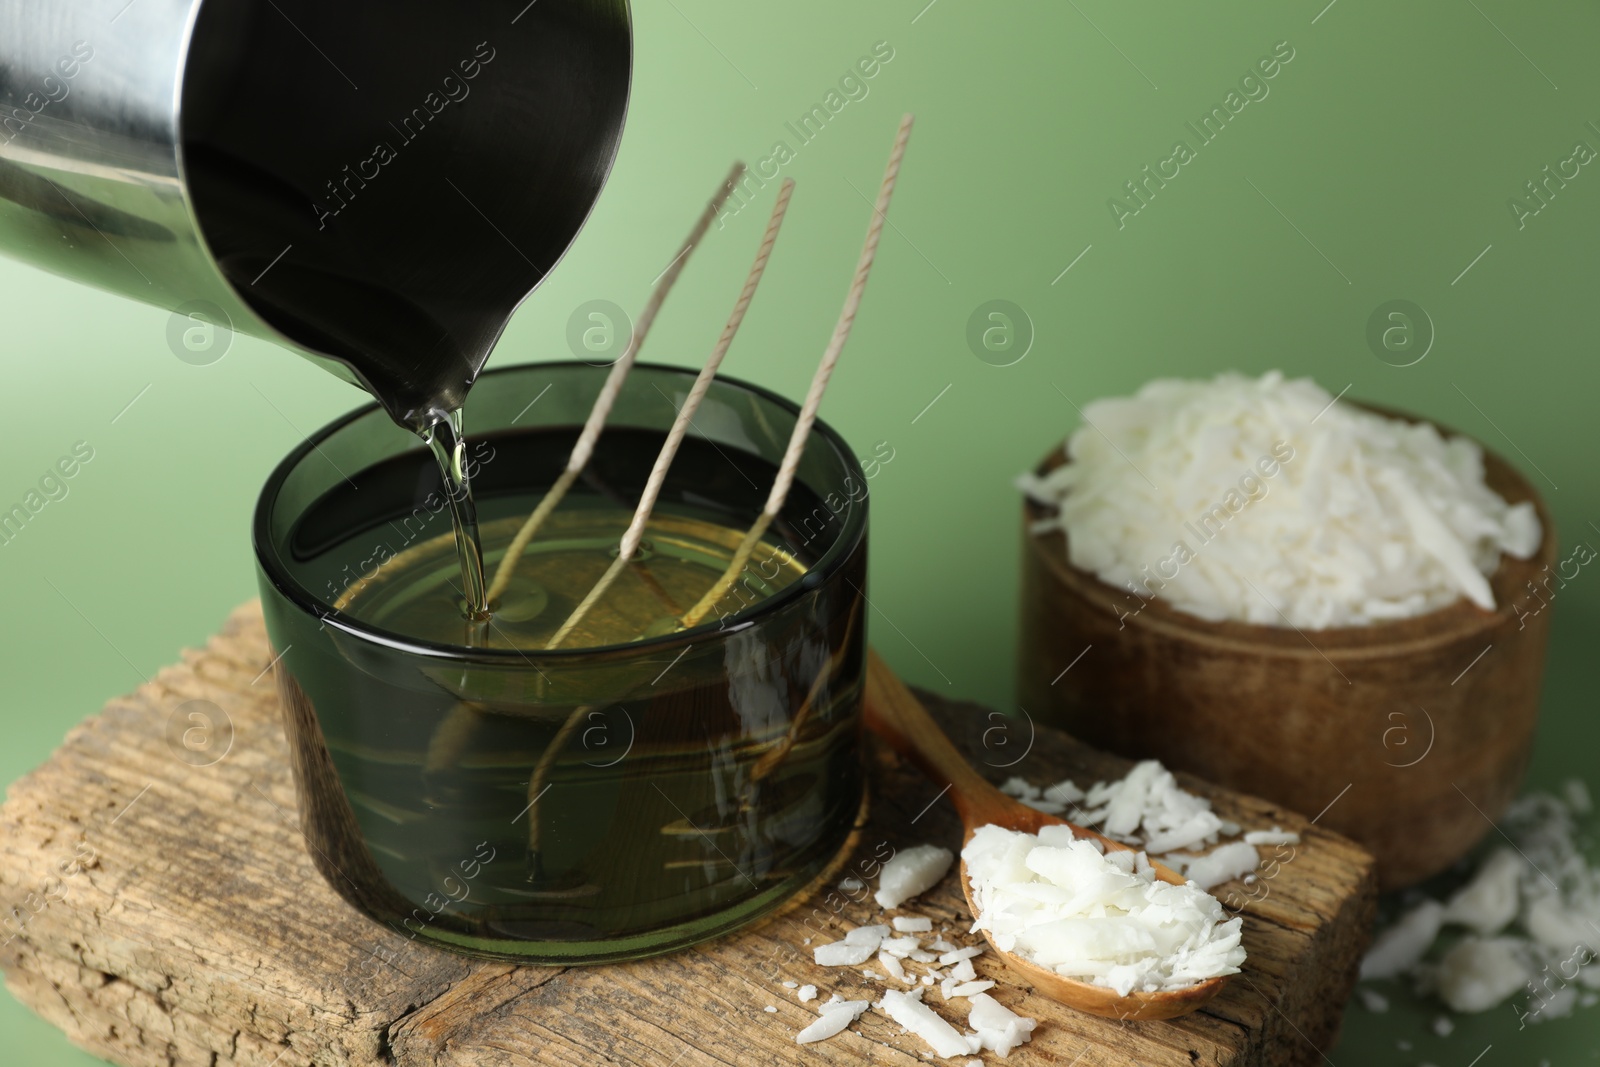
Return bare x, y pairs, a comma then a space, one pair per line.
167, 913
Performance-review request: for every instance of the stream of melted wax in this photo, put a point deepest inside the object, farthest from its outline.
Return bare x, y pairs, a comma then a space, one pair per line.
448, 445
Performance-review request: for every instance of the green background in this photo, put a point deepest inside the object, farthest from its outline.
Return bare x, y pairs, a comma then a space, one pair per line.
1378, 168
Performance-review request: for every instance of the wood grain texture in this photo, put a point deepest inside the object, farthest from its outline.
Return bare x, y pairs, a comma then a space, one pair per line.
168, 914
1422, 727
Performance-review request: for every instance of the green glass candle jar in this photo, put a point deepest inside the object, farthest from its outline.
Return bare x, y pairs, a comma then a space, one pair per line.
612, 798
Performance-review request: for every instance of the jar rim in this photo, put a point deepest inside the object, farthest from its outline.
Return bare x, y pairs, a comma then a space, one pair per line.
268, 556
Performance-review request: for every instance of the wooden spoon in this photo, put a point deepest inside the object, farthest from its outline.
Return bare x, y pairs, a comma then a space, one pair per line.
900, 719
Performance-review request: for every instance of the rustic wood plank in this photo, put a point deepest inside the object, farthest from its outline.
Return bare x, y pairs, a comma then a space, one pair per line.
168, 914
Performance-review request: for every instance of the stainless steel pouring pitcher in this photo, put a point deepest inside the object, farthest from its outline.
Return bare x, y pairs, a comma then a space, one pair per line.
376, 185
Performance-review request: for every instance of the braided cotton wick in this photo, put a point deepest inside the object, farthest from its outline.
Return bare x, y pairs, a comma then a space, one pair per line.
584, 448
680, 425
819, 385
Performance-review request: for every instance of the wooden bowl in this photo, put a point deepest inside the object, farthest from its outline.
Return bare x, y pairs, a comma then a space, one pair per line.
1408, 736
